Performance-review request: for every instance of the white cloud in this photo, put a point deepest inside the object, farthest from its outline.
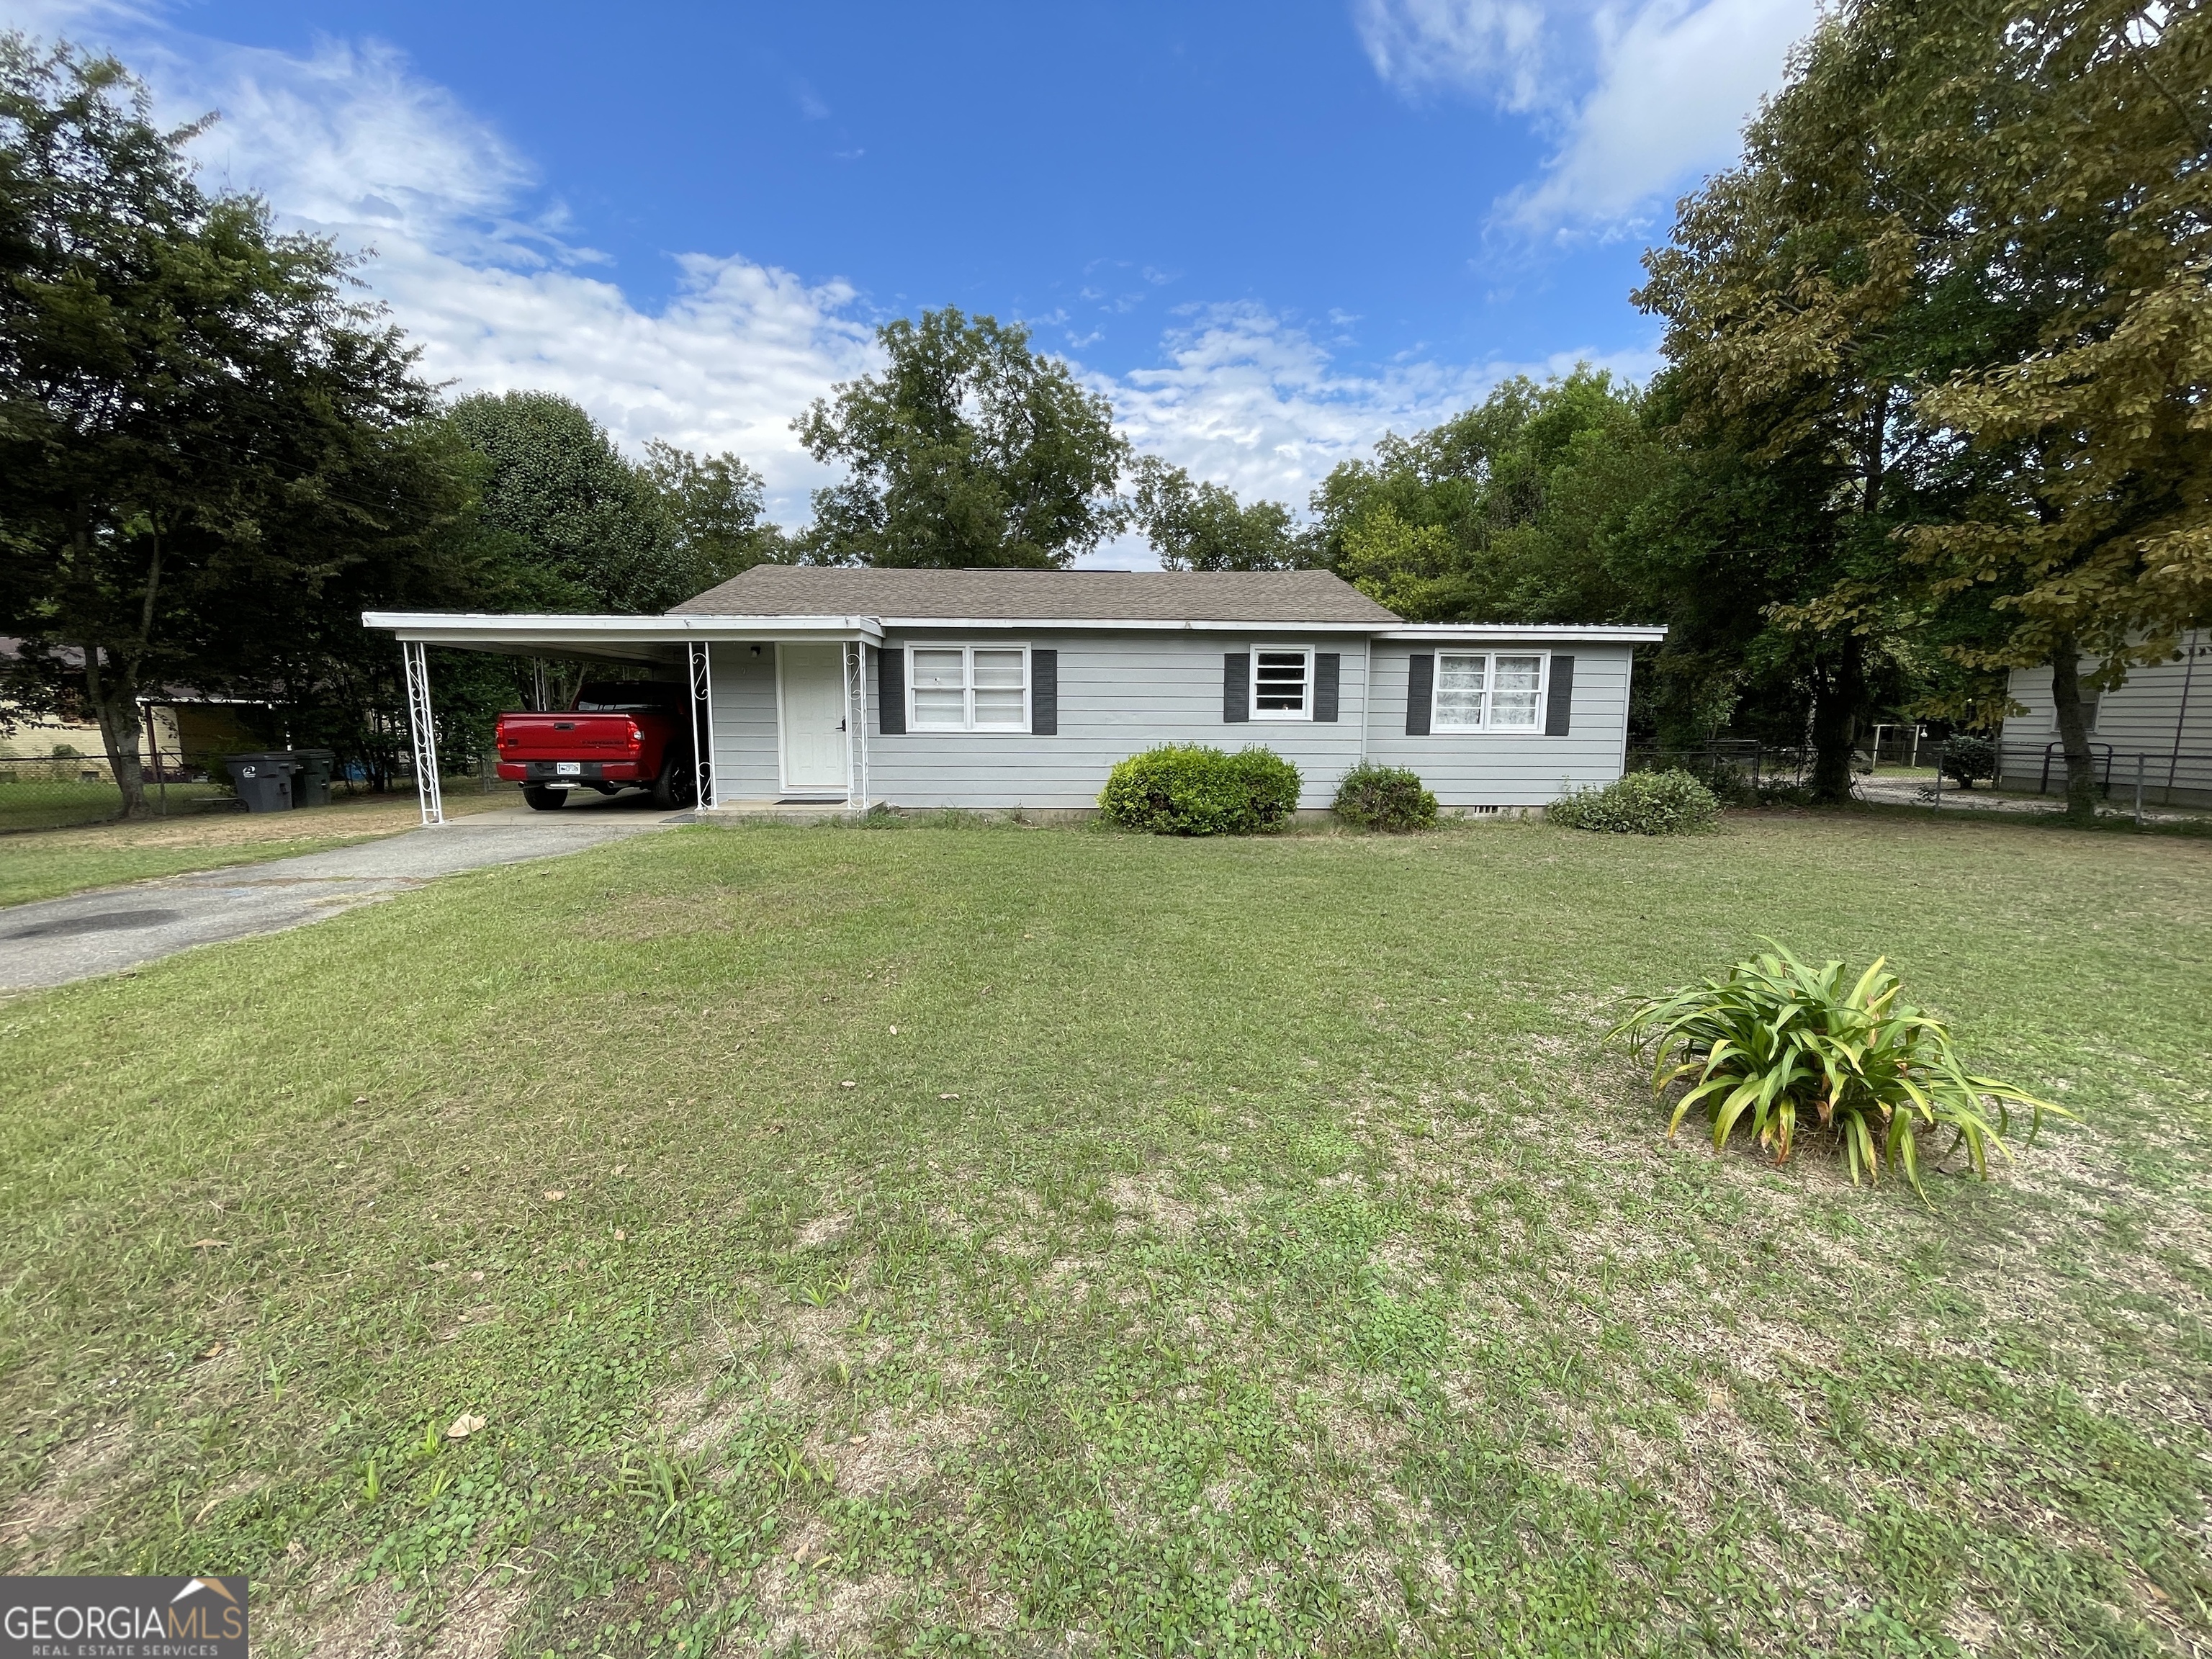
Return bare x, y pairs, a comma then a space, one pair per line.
487, 276
1253, 401
1636, 97
484, 272
1676, 85
1510, 48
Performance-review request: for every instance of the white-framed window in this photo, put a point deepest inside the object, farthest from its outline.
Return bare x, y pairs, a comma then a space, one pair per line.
968, 688
1282, 683
1489, 691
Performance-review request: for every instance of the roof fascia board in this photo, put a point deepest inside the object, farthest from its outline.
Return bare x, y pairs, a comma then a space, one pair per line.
1593, 634
1124, 624
463, 629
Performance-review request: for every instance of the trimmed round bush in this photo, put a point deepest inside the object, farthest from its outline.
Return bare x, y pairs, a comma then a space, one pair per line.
1385, 798
1969, 760
1197, 790
1669, 802
1271, 786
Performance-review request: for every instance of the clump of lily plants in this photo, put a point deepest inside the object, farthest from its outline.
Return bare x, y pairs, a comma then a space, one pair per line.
1771, 1043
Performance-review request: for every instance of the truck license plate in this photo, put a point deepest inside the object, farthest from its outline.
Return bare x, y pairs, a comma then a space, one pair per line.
568, 768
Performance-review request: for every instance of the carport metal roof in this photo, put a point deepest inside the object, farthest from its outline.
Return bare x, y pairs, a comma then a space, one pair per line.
657, 640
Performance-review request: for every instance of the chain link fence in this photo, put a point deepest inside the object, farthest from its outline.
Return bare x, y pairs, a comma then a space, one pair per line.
1736, 769
55, 791
66, 787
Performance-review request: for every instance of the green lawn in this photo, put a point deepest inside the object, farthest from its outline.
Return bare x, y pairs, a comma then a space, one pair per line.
939, 1240
50, 862
41, 803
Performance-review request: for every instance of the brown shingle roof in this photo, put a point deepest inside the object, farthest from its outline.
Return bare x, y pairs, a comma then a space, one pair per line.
1231, 596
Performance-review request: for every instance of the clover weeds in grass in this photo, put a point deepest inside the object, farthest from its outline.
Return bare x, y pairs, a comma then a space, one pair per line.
1772, 1038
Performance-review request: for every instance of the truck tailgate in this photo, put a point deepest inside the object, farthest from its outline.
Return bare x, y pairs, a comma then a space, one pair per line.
567, 736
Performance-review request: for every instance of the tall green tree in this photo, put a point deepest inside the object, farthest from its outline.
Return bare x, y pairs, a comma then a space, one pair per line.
716, 510
585, 530
1810, 293
968, 448
2077, 157
202, 435
1511, 512
1201, 525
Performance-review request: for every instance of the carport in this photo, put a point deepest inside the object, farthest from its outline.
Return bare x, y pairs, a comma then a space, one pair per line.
673, 644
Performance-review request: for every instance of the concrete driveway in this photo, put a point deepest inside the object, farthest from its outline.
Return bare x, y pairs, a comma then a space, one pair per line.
57, 941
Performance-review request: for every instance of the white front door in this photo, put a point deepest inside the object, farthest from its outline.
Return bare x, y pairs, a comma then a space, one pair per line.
810, 702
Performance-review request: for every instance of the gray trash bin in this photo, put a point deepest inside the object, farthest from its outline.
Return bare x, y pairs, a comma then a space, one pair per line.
263, 780
312, 788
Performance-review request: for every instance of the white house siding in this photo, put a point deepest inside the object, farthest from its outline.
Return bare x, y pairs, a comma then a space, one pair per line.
744, 703
1120, 694
2162, 712
1486, 770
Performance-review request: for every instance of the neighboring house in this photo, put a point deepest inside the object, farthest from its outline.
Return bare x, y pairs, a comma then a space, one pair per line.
1003, 689
191, 732
2159, 720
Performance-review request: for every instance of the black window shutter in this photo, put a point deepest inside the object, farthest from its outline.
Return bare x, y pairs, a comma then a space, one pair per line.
1559, 702
1326, 665
1236, 686
1044, 693
890, 688
1420, 687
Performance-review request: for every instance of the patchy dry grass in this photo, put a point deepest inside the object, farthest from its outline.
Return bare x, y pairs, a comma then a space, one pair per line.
42, 863
1231, 1247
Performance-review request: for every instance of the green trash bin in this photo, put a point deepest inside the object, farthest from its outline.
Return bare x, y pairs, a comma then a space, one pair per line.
312, 787
263, 779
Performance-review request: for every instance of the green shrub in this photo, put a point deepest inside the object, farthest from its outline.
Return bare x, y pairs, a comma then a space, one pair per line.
1385, 798
1773, 792
1728, 782
1970, 760
1196, 790
1773, 1039
1670, 803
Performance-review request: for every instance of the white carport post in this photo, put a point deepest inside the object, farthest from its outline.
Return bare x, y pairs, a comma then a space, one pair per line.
422, 727
856, 723
702, 720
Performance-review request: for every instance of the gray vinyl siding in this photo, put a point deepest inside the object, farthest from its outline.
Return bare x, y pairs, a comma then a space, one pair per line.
2162, 711
1474, 768
1120, 694
743, 703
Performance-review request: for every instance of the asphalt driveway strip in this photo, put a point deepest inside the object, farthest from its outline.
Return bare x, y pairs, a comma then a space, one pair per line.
104, 932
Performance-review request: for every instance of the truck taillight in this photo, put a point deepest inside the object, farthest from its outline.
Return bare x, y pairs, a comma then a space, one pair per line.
636, 737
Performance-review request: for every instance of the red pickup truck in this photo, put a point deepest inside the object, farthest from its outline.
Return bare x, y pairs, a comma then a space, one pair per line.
622, 734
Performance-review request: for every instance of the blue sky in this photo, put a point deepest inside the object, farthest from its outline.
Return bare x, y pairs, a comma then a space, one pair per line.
1269, 232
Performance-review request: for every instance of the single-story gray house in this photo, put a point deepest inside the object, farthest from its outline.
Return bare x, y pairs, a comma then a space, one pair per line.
1004, 688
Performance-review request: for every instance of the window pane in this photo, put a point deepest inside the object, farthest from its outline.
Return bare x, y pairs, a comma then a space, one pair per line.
940, 707
940, 694
937, 669
998, 688
1513, 699
1279, 682
998, 669
1460, 682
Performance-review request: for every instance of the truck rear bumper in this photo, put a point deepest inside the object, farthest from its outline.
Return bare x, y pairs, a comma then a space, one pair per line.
572, 772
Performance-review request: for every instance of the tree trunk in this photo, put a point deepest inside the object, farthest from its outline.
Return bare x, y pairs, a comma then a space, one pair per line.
115, 698
2073, 729
1836, 702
